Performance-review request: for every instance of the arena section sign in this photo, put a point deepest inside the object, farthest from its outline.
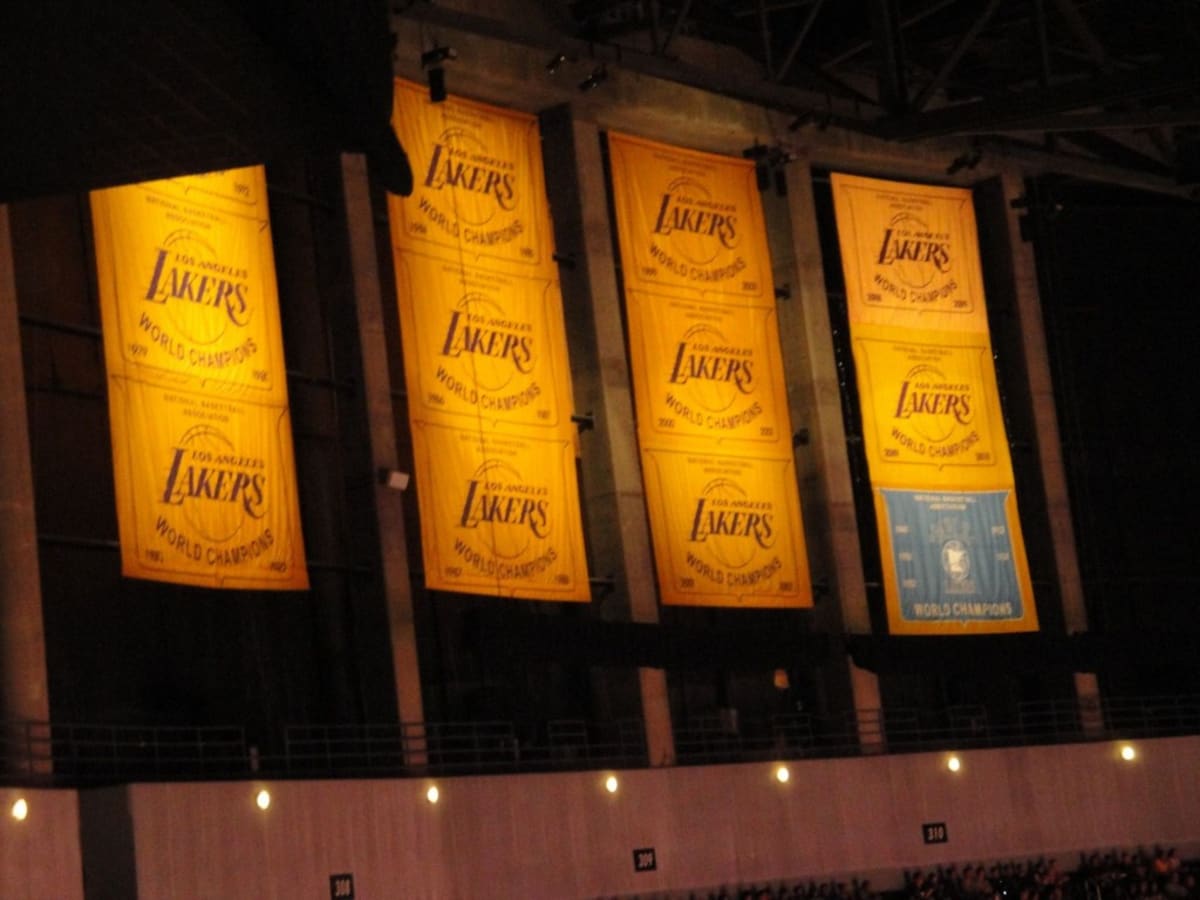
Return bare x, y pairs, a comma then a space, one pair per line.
485, 354
949, 533
201, 432
712, 415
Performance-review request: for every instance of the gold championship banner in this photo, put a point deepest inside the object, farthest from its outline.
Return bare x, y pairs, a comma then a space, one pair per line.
497, 521
950, 536
479, 194
485, 354
713, 422
202, 443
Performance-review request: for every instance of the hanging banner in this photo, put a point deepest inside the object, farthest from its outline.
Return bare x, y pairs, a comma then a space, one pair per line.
688, 221
491, 348
706, 370
485, 354
201, 433
950, 536
727, 531
497, 515
713, 424
479, 193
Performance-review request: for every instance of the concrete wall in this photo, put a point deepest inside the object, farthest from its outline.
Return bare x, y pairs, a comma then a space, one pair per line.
563, 835
39, 857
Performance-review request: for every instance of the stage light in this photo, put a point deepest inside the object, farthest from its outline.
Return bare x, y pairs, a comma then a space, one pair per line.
553, 66
782, 774
437, 55
433, 794
611, 784
598, 77
263, 799
1128, 753
432, 60
954, 764
20, 809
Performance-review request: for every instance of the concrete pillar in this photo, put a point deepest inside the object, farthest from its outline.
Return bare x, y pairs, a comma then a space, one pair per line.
24, 691
612, 472
1049, 443
377, 386
805, 320
1045, 411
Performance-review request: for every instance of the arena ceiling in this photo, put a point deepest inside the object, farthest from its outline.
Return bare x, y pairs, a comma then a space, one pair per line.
1105, 79
96, 94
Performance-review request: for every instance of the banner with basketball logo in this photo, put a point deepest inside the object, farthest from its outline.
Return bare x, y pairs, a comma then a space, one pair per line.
201, 432
950, 536
712, 415
485, 354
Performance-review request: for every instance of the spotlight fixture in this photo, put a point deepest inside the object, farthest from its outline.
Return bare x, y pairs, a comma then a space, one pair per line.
437, 55
431, 61
553, 66
968, 160
598, 77
802, 119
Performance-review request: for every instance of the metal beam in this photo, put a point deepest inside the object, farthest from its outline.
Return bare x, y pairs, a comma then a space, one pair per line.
841, 56
1115, 152
784, 66
1128, 120
679, 20
1083, 33
957, 54
1016, 111
888, 31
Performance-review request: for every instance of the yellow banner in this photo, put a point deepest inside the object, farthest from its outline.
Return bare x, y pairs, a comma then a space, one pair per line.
688, 221
706, 370
479, 193
499, 514
491, 346
713, 424
485, 354
202, 443
727, 529
950, 537
930, 409
910, 255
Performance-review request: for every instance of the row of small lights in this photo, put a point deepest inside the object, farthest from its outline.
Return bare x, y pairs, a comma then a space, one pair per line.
20, 807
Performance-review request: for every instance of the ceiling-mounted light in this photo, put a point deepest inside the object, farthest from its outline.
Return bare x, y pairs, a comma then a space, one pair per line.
556, 63
432, 60
598, 77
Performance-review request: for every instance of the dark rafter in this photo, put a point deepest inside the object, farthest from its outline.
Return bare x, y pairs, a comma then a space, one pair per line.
956, 55
889, 40
1010, 111
790, 56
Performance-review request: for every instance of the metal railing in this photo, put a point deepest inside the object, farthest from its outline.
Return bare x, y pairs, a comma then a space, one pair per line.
79, 754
